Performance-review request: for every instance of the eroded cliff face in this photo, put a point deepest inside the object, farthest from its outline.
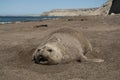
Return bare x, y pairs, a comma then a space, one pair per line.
70, 12
104, 9
111, 6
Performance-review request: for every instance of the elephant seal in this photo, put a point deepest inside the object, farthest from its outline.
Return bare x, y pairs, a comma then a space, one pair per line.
62, 46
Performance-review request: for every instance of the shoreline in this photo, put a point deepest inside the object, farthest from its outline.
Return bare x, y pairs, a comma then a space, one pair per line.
17, 19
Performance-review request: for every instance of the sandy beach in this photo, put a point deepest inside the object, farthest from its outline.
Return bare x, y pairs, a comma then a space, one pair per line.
19, 40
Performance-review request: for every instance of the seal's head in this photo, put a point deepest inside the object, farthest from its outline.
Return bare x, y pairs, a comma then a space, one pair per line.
50, 53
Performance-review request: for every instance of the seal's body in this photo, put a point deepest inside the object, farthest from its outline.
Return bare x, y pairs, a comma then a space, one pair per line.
62, 46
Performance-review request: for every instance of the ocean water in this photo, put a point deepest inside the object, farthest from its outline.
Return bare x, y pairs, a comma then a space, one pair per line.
16, 19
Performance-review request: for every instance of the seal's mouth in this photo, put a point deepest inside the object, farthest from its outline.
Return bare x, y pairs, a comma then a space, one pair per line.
43, 60
40, 60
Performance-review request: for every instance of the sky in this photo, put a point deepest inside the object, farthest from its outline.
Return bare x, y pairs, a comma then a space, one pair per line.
27, 7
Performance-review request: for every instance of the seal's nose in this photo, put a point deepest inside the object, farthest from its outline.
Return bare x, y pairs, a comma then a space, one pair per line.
34, 59
38, 58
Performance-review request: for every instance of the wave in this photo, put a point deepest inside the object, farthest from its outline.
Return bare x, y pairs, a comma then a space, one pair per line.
18, 19
5, 22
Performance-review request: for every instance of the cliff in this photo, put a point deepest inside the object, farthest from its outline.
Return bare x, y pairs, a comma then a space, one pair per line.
104, 9
111, 6
69, 12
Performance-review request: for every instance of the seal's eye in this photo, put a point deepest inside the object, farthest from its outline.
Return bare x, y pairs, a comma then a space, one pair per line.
38, 50
49, 50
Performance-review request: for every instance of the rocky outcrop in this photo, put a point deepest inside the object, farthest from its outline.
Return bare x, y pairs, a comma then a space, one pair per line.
115, 7
110, 7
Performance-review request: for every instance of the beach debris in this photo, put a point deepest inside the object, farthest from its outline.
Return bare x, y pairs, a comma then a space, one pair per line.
69, 19
83, 19
38, 26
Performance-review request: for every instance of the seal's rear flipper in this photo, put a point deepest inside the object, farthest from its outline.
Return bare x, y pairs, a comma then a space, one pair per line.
83, 58
95, 60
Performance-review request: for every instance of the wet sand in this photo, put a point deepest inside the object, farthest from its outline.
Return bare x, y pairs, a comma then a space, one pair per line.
19, 40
